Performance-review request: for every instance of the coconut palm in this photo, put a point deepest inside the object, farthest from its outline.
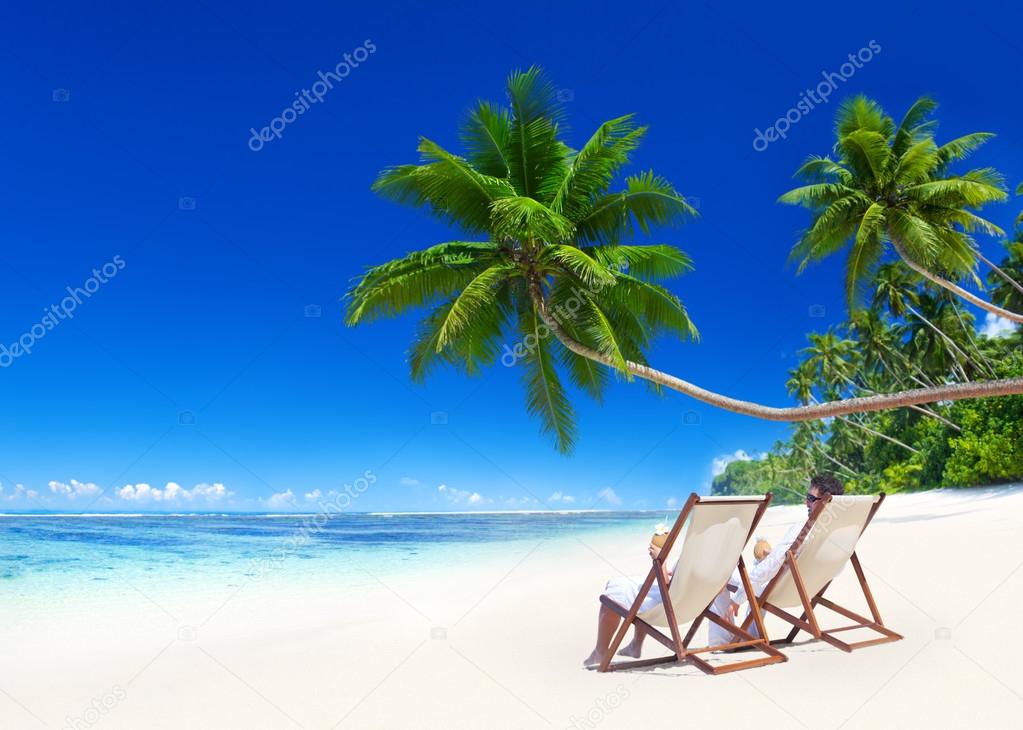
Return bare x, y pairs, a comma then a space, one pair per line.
878, 342
835, 359
891, 185
896, 290
830, 364
547, 252
550, 223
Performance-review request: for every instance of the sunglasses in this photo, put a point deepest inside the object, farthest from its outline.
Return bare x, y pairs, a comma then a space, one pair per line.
810, 498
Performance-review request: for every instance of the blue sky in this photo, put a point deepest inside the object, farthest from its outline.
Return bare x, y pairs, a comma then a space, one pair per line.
195, 364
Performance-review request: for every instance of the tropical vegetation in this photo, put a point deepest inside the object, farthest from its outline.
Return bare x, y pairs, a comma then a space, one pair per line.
544, 274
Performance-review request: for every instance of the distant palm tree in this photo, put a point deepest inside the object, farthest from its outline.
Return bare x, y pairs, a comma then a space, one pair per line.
892, 185
554, 262
935, 340
1004, 293
896, 290
831, 363
834, 358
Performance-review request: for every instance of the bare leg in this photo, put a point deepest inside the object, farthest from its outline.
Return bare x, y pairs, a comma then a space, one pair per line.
718, 635
636, 647
607, 622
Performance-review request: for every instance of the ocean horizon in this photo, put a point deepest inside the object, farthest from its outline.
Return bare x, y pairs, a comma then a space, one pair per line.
102, 559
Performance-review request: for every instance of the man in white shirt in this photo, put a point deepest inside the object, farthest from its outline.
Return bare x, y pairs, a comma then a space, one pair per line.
727, 604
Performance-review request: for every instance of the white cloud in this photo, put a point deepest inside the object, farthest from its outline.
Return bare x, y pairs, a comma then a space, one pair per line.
172, 492
995, 326
460, 496
608, 495
19, 492
210, 492
282, 499
408, 482
719, 464
561, 497
313, 495
518, 502
74, 489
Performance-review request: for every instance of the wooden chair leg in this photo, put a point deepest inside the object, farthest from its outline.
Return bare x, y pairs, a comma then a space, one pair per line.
811, 619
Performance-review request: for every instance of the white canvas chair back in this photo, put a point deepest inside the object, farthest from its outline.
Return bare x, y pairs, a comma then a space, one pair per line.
718, 530
827, 548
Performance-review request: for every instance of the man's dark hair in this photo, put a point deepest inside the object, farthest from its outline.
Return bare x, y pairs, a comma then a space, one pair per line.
827, 483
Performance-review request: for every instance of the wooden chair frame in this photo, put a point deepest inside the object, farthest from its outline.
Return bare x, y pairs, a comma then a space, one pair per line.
679, 645
808, 621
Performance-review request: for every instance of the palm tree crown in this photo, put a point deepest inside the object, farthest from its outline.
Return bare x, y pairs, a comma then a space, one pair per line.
550, 226
891, 184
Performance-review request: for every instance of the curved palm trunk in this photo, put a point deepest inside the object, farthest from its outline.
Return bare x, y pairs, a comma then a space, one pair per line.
955, 391
1015, 284
919, 409
955, 288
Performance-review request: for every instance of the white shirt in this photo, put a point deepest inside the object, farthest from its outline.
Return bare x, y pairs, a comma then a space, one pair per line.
761, 573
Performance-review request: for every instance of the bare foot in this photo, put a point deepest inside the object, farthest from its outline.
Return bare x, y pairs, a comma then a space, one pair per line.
630, 650
593, 660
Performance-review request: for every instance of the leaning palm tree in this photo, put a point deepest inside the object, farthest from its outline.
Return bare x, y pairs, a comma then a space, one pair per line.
554, 286
554, 235
892, 186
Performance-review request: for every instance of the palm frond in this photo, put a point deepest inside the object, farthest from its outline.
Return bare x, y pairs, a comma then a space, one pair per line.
590, 271
447, 184
594, 166
485, 134
659, 309
416, 280
658, 261
961, 147
860, 113
648, 200
973, 192
478, 295
868, 151
917, 163
535, 153
545, 395
914, 125
476, 347
521, 218
823, 169
864, 254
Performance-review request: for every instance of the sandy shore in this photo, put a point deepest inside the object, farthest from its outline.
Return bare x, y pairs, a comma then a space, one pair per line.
498, 644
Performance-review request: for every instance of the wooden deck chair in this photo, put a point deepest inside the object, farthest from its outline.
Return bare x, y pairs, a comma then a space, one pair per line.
820, 551
719, 528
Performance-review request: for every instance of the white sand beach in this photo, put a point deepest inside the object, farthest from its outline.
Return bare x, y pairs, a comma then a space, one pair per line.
498, 644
